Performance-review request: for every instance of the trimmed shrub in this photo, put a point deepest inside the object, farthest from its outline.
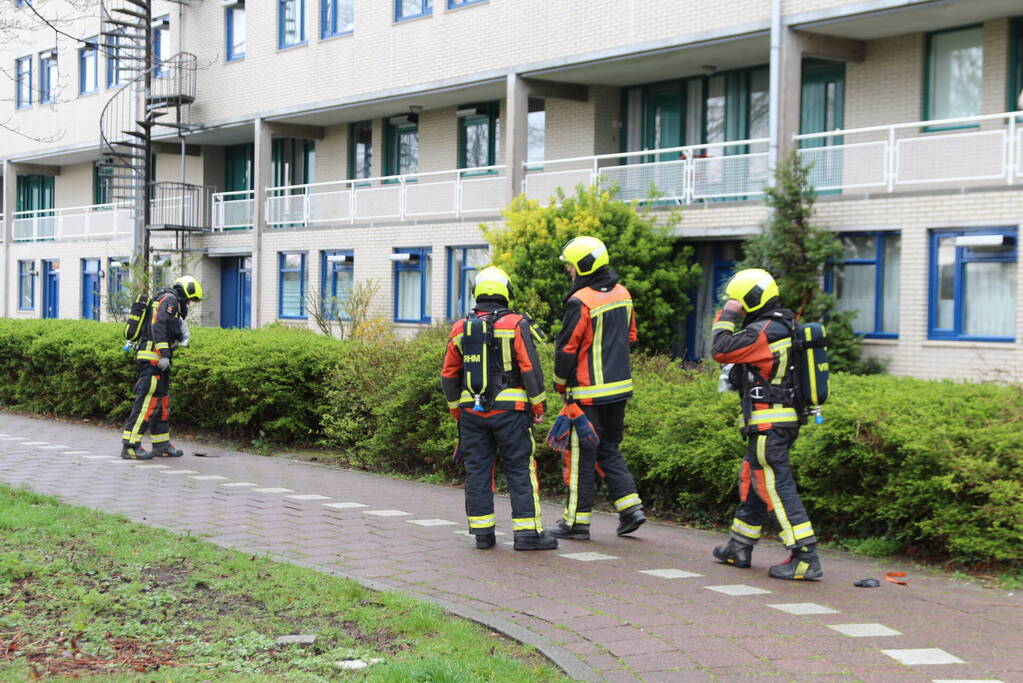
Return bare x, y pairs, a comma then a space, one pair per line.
910, 465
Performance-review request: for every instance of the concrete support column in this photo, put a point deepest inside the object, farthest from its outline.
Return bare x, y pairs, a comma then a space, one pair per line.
516, 133
261, 178
10, 184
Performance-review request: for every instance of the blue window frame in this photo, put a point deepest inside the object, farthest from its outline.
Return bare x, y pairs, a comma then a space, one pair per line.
47, 76
337, 276
412, 9
337, 17
234, 25
455, 4
88, 67
23, 82
463, 264
115, 67
412, 277
290, 23
973, 284
26, 285
866, 282
291, 285
160, 27
117, 280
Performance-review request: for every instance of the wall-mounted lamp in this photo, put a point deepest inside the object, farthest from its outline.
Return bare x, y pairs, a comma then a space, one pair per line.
161, 23
401, 256
467, 111
709, 69
339, 258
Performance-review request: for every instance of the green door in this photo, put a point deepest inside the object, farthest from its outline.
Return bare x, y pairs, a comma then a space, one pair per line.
34, 192
238, 168
663, 124
822, 108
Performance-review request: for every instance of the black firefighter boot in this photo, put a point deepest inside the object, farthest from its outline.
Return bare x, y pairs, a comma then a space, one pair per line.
735, 553
530, 540
485, 541
630, 519
134, 452
803, 564
167, 450
576, 532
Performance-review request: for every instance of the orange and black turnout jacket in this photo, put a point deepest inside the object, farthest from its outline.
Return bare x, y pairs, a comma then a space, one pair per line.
162, 331
760, 349
591, 359
520, 385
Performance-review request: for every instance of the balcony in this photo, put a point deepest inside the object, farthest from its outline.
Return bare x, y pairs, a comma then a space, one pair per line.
98, 221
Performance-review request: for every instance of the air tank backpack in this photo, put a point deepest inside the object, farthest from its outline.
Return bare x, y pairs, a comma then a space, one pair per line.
138, 315
481, 359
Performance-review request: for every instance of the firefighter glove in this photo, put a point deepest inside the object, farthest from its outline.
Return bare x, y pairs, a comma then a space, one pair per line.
186, 334
163, 363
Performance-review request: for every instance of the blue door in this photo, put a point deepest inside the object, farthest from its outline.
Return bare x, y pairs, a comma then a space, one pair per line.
51, 288
236, 292
90, 288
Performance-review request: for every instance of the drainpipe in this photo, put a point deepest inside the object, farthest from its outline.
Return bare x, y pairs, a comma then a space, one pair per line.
774, 109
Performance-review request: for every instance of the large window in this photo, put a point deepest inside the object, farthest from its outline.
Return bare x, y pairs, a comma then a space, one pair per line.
477, 135
402, 154
290, 23
116, 70
48, 76
537, 124
23, 82
117, 281
161, 27
866, 282
955, 64
360, 150
463, 264
412, 275
101, 181
973, 284
410, 9
338, 277
234, 25
337, 17
26, 285
88, 67
455, 4
291, 285
1016, 66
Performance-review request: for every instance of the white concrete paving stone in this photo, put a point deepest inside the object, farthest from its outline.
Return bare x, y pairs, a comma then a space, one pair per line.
100, 457
588, 557
469, 533
386, 513
36, 443
864, 630
78, 453
737, 589
803, 608
16, 438
274, 489
239, 484
344, 506
209, 477
923, 655
180, 472
670, 573
151, 467
308, 496
966, 680
430, 522
54, 448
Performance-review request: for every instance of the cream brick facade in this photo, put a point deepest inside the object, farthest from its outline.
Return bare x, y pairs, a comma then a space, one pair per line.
463, 56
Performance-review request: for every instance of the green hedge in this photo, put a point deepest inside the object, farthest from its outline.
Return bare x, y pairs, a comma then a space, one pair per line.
930, 467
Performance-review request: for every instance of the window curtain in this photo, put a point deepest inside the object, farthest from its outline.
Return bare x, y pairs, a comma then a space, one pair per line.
410, 294
990, 299
890, 277
855, 290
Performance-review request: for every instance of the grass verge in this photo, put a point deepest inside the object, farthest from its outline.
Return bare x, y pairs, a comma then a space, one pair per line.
86, 594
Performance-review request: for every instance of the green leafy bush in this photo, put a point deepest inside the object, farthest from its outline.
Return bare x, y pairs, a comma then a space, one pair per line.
899, 465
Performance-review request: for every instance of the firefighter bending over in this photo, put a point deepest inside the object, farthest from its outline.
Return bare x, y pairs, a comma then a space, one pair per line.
493, 384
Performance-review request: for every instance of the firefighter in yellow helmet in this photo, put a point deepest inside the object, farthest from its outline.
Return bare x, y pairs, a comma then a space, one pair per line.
163, 330
593, 369
493, 383
754, 332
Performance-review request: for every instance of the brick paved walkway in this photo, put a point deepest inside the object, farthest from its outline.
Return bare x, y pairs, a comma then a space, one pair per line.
655, 607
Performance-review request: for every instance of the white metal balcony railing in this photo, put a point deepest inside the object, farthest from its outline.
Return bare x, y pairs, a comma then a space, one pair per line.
107, 221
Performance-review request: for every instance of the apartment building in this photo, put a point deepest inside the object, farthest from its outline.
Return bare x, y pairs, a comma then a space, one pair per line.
336, 141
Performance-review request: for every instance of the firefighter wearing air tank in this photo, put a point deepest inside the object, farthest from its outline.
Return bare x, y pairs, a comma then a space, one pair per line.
755, 333
593, 369
494, 387
163, 329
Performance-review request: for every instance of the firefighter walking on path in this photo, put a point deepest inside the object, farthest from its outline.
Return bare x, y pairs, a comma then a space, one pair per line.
494, 387
755, 333
163, 329
593, 369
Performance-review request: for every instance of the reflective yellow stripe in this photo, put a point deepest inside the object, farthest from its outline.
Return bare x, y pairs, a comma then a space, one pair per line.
539, 398
780, 344
560, 380
801, 570
627, 501
724, 325
161, 345
454, 404
773, 415
126, 435
598, 350
740, 527
573, 483
525, 523
813, 370
598, 390
481, 521
506, 334
604, 308
136, 436
801, 531
514, 395
769, 484
583, 517
534, 481
506, 354
160, 438
147, 355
